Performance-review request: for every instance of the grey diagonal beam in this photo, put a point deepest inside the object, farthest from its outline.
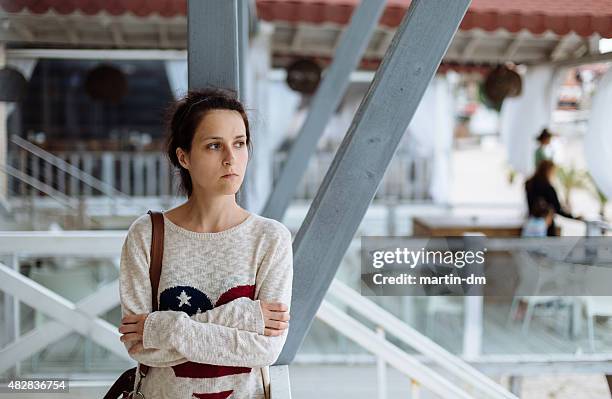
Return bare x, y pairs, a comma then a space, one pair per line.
212, 56
346, 58
364, 155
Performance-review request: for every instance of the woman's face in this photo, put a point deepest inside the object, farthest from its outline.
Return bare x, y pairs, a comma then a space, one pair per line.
219, 148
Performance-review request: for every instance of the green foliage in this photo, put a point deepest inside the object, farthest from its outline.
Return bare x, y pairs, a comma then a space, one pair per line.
572, 178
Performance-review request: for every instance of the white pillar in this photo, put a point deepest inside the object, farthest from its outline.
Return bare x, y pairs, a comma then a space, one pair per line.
523, 117
3, 133
260, 169
598, 140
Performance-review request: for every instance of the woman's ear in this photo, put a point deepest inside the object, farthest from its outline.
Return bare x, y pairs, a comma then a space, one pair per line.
183, 158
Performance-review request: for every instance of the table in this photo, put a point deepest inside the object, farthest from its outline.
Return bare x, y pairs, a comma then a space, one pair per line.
447, 226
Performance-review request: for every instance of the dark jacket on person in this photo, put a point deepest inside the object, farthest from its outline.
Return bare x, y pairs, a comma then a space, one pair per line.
536, 189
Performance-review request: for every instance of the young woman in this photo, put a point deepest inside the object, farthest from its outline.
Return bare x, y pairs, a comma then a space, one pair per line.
539, 188
225, 285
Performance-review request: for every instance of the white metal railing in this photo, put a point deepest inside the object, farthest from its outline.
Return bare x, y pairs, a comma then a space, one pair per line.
74, 208
63, 166
390, 353
120, 173
58, 196
391, 325
81, 317
115, 174
407, 177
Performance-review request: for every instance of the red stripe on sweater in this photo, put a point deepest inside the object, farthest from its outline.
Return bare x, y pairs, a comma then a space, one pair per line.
216, 395
235, 293
201, 370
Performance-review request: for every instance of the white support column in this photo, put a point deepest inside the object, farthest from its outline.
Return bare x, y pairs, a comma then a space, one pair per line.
472, 329
280, 386
381, 369
3, 133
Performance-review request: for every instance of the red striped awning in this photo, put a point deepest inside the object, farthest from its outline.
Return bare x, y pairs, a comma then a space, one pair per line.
584, 17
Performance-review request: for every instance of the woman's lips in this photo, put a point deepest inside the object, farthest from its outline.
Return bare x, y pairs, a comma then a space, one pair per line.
229, 176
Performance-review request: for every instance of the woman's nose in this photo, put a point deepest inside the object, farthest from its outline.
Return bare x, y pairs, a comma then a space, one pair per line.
229, 156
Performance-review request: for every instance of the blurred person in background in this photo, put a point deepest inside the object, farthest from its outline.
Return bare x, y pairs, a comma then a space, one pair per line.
544, 150
539, 188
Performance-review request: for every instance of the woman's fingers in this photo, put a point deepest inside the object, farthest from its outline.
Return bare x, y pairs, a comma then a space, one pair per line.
137, 347
129, 337
133, 318
275, 311
279, 316
272, 333
128, 328
276, 317
275, 306
277, 325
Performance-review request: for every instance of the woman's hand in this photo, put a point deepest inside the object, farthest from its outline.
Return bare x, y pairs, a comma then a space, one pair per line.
132, 328
276, 317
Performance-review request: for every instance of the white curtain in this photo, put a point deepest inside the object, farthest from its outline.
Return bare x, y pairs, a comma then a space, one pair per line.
431, 132
523, 117
176, 71
598, 140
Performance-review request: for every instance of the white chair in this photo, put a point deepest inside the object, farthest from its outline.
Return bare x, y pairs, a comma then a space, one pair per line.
450, 305
545, 279
596, 306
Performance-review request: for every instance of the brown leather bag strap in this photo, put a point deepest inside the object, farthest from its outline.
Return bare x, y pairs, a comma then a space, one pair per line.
157, 254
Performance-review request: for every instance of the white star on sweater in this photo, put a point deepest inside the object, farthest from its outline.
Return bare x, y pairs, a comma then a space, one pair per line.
184, 298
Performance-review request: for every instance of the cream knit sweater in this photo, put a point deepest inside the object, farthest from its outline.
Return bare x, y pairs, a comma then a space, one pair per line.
207, 341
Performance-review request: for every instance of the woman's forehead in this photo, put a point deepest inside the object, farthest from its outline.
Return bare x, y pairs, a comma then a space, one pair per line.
220, 123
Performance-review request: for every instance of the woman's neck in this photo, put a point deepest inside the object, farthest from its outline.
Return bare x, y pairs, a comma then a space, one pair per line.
208, 214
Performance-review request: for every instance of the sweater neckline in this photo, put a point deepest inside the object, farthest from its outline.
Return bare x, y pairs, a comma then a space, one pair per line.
205, 235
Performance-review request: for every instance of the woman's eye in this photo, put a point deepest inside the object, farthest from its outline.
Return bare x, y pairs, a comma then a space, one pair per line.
240, 144
213, 146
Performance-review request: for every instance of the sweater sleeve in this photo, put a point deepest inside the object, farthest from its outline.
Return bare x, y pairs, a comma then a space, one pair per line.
135, 289
135, 292
227, 346
241, 313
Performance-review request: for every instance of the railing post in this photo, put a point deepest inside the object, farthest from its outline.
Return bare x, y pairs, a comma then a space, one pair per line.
15, 312
125, 174
82, 213
381, 369
391, 217
415, 389
515, 384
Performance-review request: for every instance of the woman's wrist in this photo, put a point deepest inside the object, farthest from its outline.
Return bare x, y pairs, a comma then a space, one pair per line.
158, 328
258, 317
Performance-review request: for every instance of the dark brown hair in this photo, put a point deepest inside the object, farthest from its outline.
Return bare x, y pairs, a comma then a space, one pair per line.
540, 177
184, 116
